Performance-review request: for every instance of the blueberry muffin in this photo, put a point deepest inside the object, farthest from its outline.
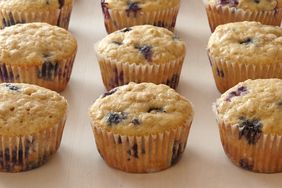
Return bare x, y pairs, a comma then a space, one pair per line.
54, 12
267, 12
140, 54
245, 50
119, 14
32, 120
250, 124
141, 128
45, 59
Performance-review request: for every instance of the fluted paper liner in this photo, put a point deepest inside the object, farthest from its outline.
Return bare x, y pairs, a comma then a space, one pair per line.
52, 78
263, 157
218, 15
228, 74
120, 73
59, 17
142, 154
118, 19
26, 152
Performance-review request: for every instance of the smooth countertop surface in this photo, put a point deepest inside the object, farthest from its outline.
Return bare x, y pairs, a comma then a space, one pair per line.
78, 164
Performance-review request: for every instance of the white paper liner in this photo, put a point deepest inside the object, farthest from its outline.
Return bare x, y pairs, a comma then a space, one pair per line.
218, 15
228, 74
263, 157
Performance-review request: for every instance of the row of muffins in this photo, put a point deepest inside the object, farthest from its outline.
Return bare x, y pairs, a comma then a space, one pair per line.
135, 152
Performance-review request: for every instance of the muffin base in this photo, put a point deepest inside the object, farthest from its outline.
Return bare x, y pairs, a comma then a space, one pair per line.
23, 153
228, 74
218, 15
262, 157
116, 74
119, 19
59, 17
48, 75
142, 154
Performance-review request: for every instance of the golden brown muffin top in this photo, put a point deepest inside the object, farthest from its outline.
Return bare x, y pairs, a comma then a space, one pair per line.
35, 43
253, 5
26, 109
253, 105
144, 44
246, 42
141, 109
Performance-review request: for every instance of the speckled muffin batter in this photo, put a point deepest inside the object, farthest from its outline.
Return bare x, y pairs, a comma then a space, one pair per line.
119, 14
55, 12
245, 50
141, 54
31, 124
250, 121
37, 53
145, 125
225, 11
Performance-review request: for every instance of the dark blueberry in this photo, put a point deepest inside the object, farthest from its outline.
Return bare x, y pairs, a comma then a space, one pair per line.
61, 3
176, 152
117, 43
49, 69
245, 164
173, 81
5, 77
146, 51
105, 10
109, 92
117, 78
12, 87
220, 73
155, 110
239, 92
247, 41
231, 2
133, 151
133, 7
136, 121
115, 118
7, 154
126, 29
250, 129
257, 1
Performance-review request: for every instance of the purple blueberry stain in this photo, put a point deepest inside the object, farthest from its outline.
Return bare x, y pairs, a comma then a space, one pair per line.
245, 164
127, 29
176, 152
146, 51
230, 2
173, 81
242, 90
105, 9
250, 129
136, 121
112, 91
12, 87
247, 41
61, 3
117, 78
114, 118
133, 152
219, 73
49, 68
133, 7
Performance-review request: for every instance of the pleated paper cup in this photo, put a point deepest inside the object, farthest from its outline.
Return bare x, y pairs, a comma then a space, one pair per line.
228, 74
264, 156
118, 19
142, 154
48, 75
26, 152
119, 73
218, 15
58, 17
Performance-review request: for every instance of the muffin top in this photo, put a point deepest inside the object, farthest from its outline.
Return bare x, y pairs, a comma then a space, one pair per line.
141, 109
35, 43
33, 5
27, 109
256, 104
246, 42
139, 5
253, 5
145, 44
